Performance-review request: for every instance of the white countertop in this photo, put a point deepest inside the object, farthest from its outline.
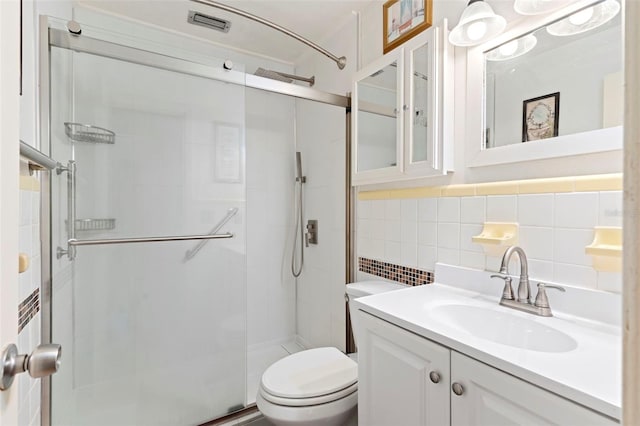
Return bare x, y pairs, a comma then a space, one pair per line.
590, 374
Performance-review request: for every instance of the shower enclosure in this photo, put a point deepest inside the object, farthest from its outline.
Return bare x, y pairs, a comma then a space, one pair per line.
170, 223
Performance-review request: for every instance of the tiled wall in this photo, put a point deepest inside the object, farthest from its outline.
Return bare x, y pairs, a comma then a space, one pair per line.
28, 322
556, 217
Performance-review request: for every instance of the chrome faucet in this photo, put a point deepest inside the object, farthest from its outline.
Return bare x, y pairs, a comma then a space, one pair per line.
523, 300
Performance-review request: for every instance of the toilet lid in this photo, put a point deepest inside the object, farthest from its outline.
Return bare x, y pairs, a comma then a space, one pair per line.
310, 373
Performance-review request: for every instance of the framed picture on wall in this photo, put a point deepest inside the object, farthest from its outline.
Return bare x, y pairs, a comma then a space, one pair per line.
404, 19
540, 117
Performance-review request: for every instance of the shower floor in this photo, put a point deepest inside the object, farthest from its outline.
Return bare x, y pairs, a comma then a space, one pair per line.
260, 357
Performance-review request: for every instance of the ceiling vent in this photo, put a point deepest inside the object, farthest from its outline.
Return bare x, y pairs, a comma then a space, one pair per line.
212, 22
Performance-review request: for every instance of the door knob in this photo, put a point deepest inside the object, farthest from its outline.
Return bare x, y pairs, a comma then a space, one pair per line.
434, 376
43, 361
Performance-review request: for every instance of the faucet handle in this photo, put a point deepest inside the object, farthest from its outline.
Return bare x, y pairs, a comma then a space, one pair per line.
541, 298
507, 292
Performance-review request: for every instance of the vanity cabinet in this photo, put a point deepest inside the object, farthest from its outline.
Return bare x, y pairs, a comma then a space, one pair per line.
403, 112
396, 386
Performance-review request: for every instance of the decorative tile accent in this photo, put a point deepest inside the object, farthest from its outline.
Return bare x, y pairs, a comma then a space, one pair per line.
391, 271
28, 309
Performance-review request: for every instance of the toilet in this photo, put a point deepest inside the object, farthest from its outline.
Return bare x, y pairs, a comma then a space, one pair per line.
316, 386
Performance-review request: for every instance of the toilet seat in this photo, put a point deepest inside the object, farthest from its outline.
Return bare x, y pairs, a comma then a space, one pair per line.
311, 377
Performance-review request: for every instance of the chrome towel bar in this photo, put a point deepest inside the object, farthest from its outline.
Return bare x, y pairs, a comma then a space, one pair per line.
99, 242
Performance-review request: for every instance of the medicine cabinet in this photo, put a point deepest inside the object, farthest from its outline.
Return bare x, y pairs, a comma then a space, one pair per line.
403, 112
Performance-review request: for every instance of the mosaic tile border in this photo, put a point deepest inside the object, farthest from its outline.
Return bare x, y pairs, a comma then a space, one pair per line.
391, 271
28, 309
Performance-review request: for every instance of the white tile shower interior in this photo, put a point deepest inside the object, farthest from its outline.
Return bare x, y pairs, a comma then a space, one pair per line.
554, 229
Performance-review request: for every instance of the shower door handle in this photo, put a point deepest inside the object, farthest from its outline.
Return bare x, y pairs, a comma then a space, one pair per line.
71, 168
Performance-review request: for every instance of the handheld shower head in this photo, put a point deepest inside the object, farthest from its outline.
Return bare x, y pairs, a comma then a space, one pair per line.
299, 177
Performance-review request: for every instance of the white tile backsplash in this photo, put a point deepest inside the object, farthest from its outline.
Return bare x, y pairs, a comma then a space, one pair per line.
449, 209
610, 208
502, 208
553, 230
364, 209
576, 210
535, 210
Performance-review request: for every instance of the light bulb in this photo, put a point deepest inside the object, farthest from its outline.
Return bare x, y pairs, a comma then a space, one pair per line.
476, 30
508, 48
581, 17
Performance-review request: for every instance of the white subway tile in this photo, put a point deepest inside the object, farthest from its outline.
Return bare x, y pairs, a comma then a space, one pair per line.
393, 210
409, 232
610, 208
25, 207
466, 233
363, 228
610, 281
449, 235
569, 246
377, 249
502, 208
392, 230
392, 252
472, 209
377, 208
535, 209
35, 207
428, 233
449, 209
409, 209
540, 270
472, 259
409, 255
427, 257
364, 247
581, 276
364, 209
576, 210
428, 210
448, 256
492, 263
537, 242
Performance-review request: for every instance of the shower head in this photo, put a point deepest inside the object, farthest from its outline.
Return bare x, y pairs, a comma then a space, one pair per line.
299, 177
284, 77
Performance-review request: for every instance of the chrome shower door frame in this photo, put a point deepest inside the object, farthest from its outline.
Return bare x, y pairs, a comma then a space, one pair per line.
49, 37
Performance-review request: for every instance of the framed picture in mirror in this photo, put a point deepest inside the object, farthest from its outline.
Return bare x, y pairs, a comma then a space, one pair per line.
404, 19
540, 117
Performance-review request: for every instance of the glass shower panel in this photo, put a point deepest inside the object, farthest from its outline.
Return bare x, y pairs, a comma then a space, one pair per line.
152, 336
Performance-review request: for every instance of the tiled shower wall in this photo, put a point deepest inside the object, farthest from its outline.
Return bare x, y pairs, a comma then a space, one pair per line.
554, 227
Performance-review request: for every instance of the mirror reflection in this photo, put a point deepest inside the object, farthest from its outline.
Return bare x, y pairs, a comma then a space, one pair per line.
377, 110
561, 79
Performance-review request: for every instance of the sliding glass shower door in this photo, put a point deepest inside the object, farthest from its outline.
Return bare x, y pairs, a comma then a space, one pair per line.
154, 332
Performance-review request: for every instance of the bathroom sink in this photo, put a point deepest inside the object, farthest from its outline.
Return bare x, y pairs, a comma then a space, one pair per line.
504, 328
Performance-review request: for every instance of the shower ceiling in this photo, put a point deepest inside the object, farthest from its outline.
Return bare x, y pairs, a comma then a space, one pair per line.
313, 19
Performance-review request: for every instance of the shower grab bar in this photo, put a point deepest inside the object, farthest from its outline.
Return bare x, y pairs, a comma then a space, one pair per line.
99, 242
341, 61
190, 254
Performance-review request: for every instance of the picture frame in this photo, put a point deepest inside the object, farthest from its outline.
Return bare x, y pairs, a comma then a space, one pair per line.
404, 19
540, 117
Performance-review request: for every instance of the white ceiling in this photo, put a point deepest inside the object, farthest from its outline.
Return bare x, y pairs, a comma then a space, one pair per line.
312, 19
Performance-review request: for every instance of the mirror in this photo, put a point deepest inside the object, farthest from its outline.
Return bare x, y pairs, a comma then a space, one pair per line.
560, 79
377, 121
421, 91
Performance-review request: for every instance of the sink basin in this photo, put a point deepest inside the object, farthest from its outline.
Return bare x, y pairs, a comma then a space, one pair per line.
504, 328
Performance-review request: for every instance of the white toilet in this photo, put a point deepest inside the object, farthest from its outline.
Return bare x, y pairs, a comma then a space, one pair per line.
316, 386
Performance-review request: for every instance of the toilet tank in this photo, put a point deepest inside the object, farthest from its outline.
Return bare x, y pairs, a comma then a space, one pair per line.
367, 288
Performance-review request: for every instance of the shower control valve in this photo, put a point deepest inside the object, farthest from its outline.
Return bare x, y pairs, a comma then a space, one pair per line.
311, 235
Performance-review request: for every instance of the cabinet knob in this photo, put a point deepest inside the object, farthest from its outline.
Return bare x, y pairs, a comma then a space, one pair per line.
457, 388
434, 376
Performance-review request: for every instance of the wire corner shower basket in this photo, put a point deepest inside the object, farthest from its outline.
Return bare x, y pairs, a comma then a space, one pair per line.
79, 132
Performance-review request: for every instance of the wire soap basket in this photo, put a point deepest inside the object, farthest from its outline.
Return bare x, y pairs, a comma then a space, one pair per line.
79, 132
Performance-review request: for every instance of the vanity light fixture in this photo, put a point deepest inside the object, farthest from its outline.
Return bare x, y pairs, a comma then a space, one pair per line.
512, 49
536, 7
478, 23
585, 19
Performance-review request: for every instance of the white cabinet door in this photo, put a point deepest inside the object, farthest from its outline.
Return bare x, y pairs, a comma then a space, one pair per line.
494, 398
394, 384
